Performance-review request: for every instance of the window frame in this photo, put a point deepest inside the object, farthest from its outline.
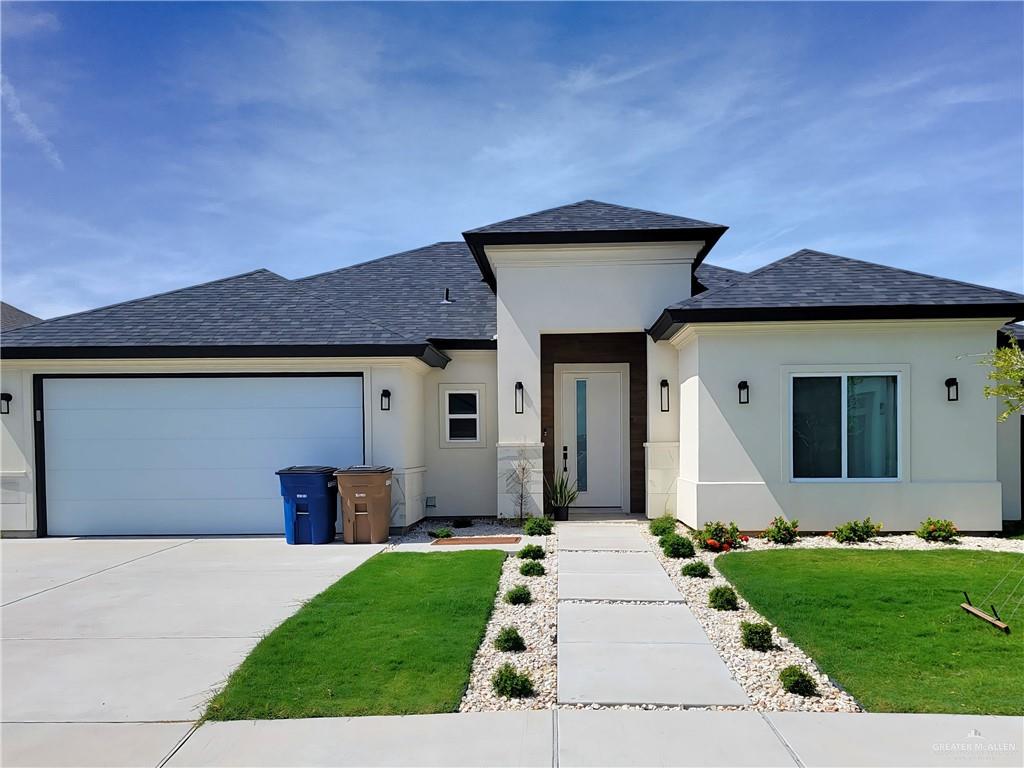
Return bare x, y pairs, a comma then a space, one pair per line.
843, 376
446, 439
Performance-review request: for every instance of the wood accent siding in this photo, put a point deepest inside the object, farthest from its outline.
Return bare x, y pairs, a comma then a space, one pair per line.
598, 348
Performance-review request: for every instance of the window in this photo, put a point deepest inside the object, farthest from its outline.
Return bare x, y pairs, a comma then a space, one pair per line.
845, 427
581, 435
461, 411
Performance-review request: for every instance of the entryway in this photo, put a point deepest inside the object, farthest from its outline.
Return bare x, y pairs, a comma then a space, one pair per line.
591, 428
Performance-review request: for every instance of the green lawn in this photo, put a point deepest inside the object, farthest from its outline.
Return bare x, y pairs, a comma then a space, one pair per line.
396, 636
888, 625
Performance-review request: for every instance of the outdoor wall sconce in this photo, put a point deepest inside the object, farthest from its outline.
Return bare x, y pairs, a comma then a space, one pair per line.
519, 397
744, 390
5, 402
385, 399
952, 390
664, 395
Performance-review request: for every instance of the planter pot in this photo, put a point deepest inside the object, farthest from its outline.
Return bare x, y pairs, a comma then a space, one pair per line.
560, 513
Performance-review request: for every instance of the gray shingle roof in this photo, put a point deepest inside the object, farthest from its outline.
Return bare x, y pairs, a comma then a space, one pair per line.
405, 291
592, 216
11, 317
814, 285
248, 314
711, 276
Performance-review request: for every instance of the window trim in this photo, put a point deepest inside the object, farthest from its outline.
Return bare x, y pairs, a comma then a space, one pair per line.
446, 439
843, 375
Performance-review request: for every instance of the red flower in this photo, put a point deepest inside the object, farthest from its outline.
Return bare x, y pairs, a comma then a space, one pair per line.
744, 538
829, 534
726, 546
712, 544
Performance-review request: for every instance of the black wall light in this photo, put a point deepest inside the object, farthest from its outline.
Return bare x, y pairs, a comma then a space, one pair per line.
744, 391
385, 399
952, 390
664, 395
519, 397
5, 402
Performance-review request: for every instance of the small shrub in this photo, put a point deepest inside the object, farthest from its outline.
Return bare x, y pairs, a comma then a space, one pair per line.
937, 530
532, 568
723, 599
462, 522
509, 640
856, 531
756, 636
659, 526
795, 680
511, 684
440, 533
519, 595
781, 531
531, 552
698, 569
674, 545
719, 537
537, 526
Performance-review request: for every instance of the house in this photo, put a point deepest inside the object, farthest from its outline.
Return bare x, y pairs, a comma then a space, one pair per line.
11, 317
591, 338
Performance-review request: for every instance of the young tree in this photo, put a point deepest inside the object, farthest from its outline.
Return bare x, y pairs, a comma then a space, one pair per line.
1007, 372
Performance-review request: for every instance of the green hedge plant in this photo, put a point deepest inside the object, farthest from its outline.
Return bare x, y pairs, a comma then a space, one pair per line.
781, 531
659, 526
723, 599
537, 526
937, 530
856, 531
716, 536
509, 640
531, 568
698, 569
756, 635
795, 680
531, 552
510, 683
674, 545
519, 595
440, 533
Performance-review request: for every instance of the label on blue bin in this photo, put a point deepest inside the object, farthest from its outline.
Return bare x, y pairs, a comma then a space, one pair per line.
301, 495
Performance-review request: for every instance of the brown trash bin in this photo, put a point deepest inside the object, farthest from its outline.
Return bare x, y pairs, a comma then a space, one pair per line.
365, 503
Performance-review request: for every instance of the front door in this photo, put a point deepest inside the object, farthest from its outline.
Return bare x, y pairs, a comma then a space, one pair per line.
592, 447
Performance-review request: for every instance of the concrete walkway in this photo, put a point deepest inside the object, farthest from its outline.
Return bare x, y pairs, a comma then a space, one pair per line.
624, 634
580, 738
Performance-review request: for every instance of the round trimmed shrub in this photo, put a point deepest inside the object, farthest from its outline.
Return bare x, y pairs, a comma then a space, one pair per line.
509, 683
531, 552
937, 530
698, 569
723, 599
795, 680
674, 545
509, 640
781, 531
537, 526
659, 526
519, 595
757, 636
531, 568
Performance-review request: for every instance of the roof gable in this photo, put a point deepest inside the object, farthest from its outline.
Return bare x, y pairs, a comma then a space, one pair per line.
592, 216
11, 317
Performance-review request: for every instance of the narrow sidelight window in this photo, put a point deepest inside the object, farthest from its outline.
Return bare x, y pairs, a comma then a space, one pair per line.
845, 427
581, 435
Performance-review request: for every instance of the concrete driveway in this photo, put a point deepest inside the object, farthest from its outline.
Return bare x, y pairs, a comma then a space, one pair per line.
111, 647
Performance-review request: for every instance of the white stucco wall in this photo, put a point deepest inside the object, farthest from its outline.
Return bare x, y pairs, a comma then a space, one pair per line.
462, 479
1008, 451
394, 437
734, 459
600, 288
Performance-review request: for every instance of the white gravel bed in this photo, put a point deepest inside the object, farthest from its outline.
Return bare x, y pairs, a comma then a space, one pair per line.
480, 527
537, 623
757, 672
905, 541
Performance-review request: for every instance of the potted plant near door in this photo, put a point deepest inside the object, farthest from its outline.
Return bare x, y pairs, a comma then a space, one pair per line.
561, 494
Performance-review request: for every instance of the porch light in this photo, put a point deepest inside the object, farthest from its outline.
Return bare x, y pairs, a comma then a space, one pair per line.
664, 395
744, 390
5, 402
385, 399
952, 390
519, 397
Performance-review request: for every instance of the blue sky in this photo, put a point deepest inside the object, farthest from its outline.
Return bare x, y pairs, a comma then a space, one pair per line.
151, 146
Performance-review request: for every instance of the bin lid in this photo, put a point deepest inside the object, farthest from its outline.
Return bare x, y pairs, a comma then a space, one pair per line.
362, 469
305, 471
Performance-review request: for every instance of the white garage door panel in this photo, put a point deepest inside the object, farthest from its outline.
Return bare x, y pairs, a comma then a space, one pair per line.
188, 455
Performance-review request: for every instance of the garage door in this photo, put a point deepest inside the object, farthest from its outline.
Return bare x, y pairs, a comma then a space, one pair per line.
183, 455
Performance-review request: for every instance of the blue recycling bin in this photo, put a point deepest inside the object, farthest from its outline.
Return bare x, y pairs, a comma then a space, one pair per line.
310, 504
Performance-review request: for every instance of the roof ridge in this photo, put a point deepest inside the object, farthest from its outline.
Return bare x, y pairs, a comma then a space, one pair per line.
743, 278
155, 296
379, 258
535, 213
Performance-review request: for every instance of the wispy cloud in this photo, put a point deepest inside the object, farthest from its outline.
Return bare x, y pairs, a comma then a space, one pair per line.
17, 21
29, 129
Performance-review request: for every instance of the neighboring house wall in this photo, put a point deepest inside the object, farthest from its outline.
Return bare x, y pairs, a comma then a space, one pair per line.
569, 289
462, 478
1008, 435
735, 462
393, 437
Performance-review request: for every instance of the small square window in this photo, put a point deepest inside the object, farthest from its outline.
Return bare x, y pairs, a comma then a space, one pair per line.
460, 416
462, 429
462, 403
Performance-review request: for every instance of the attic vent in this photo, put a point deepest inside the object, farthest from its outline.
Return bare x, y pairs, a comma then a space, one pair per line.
447, 296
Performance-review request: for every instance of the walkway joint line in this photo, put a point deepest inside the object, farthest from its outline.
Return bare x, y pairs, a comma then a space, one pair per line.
782, 739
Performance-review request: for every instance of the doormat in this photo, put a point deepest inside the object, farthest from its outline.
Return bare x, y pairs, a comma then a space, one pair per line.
477, 540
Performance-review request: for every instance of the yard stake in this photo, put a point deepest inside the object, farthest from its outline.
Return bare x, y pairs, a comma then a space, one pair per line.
993, 620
